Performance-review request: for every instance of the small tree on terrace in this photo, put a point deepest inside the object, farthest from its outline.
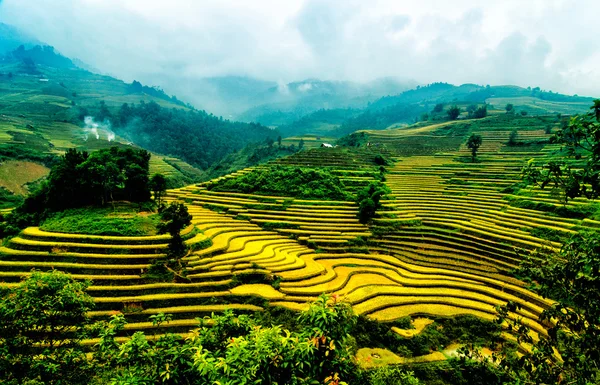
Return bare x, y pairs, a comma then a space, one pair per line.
176, 217
512, 139
453, 112
510, 109
301, 144
158, 184
473, 143
368, 200
279, 140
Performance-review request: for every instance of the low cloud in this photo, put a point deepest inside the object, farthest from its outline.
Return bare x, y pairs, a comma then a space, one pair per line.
550, 43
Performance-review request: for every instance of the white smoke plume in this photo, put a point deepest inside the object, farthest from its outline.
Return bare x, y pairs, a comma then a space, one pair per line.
97, 129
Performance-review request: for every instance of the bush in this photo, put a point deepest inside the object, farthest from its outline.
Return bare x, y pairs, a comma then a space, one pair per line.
287, 181
123, 220
368, 200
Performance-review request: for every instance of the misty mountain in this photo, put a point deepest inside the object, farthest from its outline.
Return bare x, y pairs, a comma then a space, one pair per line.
288, 102
271, 103
11, 38
446, 93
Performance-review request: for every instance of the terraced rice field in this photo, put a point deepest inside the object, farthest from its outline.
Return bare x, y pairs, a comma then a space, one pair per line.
444, 245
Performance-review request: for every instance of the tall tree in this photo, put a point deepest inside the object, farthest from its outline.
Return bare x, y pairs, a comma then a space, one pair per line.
473, 143
453, 112
158, 185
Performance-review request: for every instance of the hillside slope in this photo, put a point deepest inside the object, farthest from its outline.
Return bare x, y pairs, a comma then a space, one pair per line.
48, 104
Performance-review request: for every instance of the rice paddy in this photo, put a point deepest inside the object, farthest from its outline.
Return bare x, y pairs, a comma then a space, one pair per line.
444, 245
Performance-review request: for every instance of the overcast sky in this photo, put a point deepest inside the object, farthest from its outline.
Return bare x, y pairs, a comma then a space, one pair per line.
549, 43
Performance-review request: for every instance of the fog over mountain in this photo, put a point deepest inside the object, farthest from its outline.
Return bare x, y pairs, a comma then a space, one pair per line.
175, 44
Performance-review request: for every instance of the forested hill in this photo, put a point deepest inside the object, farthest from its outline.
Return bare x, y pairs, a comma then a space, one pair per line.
409, 106
197, 137
48, 104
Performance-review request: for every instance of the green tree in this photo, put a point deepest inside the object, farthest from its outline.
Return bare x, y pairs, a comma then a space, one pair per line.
369, 200
175, 218
235, 350
301, 144
158, 184
471, 108
480, 112
509, 108
279, 140
453, 112
42, 322
513, 138
473, 143
576, 171
438, 108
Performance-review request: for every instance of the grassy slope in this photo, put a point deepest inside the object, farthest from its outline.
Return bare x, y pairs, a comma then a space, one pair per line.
38, 115
122, 220
15, 175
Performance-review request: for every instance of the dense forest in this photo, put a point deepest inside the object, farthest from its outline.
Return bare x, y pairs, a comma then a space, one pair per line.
197, 137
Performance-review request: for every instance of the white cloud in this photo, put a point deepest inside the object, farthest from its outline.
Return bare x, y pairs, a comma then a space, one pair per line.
547, 43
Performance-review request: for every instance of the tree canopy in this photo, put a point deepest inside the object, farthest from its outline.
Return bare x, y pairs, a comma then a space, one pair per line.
575, 171
197, 137
473, 143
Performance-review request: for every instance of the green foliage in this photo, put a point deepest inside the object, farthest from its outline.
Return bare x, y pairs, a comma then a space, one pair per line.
379, 119
8, 199
570, 278
512, 138
356, 139
473, 143
368, 200
509, 108
168, 131
380, 160
576, 171
42, 322
120, 220
480, 112
82, 179
392, 375
438, 108
158, 185
251, 155
236, 350
453, 112
12, 152
175, 217
286, 181
579, 211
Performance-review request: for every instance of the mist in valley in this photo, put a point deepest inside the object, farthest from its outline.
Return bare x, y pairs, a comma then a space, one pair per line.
229, 57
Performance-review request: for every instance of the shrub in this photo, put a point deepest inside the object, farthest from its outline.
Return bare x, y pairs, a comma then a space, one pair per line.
368, 200
287, 181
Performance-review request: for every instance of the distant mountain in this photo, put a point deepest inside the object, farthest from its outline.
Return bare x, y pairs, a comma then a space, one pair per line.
267, 102
288, 102
447, 93
408, 106
11, 38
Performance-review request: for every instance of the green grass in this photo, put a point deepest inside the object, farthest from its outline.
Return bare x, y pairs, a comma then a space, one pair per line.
122, 220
